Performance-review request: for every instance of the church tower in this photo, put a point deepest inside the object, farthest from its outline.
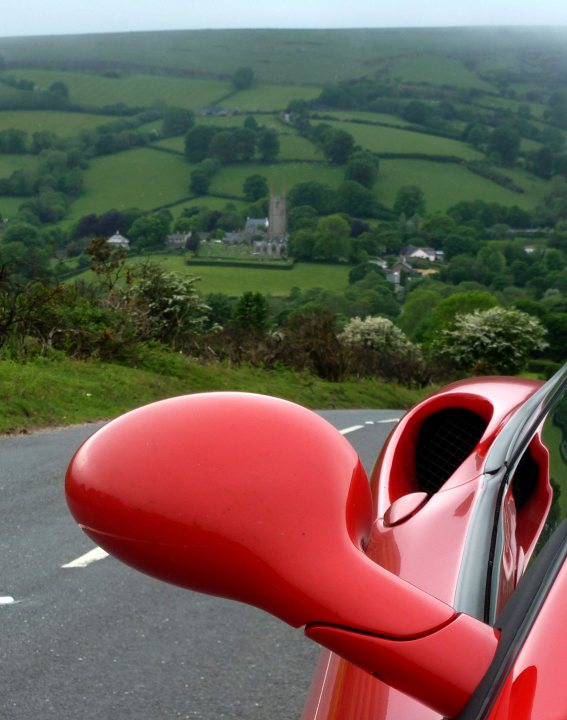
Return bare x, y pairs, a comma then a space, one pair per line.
277, 218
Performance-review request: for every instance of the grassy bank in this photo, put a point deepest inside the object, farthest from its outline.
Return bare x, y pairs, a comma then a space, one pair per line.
46, 393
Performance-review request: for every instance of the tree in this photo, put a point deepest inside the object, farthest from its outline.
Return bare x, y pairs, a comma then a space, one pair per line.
251, 123
416, 312
268, 145
332, 238
198, 142
199, 182
60, 90
301, 244
463, 240
24, 253
338, 146
177, 121
250, 313
445, 311
243, 78
223, 147
317, 195
416, 112
255, 187
42, 140
363, 169
505, 142
476, 134
244, 141
409, 201
354, 199
497, 341
151, 231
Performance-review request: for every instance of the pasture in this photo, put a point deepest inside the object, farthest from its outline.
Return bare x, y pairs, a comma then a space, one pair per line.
295, 147
436, 69
9, 205
393, 140
369, 117
445, 184
9, 163
269, 97
132, 89
229, 179
235, 280
209, 202
304, 57
64, 124
141, 178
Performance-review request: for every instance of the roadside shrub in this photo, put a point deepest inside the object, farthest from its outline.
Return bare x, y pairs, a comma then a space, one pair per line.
375, 346
308, 341
494, 341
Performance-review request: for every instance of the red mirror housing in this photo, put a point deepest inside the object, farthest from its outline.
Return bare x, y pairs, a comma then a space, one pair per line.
259, 500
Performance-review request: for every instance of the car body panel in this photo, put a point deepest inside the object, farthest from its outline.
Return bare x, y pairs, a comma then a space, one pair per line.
438, 529
535, 687
430, 556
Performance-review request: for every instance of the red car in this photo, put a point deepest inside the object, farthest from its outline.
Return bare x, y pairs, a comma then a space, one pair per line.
438, 588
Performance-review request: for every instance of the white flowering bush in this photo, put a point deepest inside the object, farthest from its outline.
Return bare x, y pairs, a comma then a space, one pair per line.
498, 340
378, 347
166, 306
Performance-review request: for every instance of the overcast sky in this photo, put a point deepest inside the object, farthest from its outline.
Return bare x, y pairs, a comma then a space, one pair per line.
48, 17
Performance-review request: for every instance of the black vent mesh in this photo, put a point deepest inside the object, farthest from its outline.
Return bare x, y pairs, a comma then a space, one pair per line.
445, 440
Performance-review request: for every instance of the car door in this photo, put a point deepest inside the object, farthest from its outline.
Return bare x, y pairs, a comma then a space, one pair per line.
527, 579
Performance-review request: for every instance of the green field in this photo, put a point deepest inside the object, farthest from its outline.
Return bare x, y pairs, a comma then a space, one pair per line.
9, 205
193, 69
230, 178
393, 140
369, 117
209, 202
445, 184
292, 147
314, 57
236, 280
64, 124
435, 69
295, 147
135, 90
141, 178
264, 119
9, 163
269, 97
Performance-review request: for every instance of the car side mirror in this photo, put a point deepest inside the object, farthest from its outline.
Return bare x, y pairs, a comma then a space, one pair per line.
260, 500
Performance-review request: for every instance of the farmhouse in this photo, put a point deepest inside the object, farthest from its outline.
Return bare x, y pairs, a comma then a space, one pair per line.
118, 241
178, 241
411, 252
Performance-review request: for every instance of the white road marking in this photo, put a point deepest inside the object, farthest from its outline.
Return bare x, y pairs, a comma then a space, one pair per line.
348, 430
354, 428
7, 600
87, 558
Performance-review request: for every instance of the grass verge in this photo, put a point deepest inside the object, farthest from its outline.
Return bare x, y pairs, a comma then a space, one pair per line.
48, 393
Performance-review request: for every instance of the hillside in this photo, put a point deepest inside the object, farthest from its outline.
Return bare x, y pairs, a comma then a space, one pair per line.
409, 97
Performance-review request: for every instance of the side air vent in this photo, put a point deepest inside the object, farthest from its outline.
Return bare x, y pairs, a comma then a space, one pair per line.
445, 440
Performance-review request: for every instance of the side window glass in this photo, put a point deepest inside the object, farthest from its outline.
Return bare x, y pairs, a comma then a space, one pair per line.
533, 506
554, 437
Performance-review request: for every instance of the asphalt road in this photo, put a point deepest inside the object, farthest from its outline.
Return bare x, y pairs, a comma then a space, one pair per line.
103, 641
